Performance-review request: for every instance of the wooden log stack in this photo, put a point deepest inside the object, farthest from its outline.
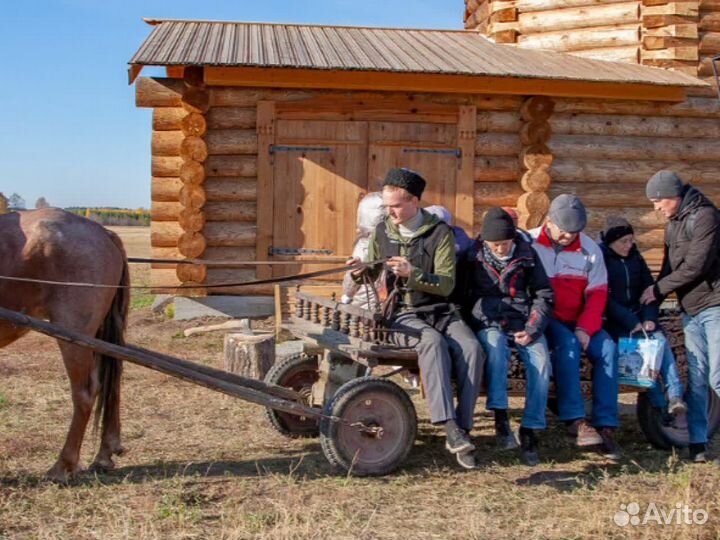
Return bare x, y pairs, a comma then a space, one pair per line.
536, 160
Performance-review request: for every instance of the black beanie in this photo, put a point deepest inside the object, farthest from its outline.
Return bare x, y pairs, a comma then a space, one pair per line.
616, 227
664, 185
497, 225
409, 180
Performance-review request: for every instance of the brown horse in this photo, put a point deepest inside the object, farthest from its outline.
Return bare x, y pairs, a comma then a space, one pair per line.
54, 245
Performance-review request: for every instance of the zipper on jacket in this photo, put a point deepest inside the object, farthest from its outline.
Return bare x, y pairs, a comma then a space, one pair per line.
627, 280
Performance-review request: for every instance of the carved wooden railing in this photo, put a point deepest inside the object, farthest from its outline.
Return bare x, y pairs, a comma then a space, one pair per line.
366, 326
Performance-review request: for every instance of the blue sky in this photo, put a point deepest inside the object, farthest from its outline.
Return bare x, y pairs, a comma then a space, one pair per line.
71, 132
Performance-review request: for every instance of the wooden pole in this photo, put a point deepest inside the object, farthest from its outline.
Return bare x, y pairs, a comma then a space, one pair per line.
251, 390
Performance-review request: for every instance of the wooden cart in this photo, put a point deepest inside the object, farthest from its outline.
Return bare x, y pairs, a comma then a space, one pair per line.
343, 345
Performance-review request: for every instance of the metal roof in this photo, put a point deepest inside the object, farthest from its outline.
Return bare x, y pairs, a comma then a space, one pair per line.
396, 50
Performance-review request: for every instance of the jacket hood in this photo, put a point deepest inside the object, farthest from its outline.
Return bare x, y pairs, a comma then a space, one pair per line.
691, 201
429, 221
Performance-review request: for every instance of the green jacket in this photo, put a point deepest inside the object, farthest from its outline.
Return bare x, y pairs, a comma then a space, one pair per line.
442, 279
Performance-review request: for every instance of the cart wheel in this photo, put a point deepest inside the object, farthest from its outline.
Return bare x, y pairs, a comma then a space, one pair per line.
299, 372
375, 402
665, 435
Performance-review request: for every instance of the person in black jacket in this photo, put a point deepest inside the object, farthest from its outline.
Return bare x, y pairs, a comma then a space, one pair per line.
509, 300
691, 270
628, 277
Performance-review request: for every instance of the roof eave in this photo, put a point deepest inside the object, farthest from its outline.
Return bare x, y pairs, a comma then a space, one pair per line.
285, 77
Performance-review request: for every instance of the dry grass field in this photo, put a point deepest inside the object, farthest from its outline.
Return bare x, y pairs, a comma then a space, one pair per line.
202, 465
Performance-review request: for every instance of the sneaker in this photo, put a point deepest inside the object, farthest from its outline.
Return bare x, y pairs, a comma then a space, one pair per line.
677, 406
504, 436
698, 453
584, 433
609, 447
466, 459
457, 440
529, 447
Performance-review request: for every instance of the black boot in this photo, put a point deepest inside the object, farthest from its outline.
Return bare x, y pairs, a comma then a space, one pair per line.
529, 446
503, 434
698, 453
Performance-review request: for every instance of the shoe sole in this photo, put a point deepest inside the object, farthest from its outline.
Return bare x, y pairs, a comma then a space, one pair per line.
678, 410
612, 457
467, 447
465, 465
584, 443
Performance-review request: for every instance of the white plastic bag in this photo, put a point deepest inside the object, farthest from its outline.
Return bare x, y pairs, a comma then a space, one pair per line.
639, 360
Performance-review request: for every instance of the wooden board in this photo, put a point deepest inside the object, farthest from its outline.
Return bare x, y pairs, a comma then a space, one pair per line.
429, 149
320, 174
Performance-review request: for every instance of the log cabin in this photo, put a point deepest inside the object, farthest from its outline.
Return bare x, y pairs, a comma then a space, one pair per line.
265, 136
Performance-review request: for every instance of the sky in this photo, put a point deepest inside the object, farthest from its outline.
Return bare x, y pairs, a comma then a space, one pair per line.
71, 132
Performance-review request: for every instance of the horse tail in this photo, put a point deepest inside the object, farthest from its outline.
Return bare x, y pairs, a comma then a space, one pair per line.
112, 330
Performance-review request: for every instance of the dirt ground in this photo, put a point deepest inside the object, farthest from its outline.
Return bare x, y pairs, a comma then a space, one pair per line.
202, 465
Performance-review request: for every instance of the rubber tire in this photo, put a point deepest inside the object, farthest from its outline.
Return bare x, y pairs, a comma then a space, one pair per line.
279, 374
348, 395
666, 438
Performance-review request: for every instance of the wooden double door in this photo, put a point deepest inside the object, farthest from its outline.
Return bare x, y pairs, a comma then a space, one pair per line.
321, 170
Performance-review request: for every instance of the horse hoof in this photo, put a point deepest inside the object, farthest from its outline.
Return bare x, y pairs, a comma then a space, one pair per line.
59, 475
101, 467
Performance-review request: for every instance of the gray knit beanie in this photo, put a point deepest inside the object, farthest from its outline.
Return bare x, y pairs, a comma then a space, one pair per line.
664, 185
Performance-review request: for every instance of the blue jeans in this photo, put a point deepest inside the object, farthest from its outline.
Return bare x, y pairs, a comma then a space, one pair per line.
536, 358
565, 357
670, 379
702, 341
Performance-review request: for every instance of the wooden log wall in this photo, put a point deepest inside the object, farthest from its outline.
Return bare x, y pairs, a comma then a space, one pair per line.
682, 36
603, 29
205, 167
204, 182
526, 152
497, 167
605, 151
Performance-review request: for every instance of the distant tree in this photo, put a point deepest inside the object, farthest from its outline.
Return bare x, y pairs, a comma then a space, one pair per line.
42, 203
16, 202
3, 204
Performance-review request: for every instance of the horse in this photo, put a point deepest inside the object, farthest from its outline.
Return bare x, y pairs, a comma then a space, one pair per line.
53, 245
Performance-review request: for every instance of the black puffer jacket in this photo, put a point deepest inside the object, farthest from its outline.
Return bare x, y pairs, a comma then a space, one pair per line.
518, 298
628, 277
691, 265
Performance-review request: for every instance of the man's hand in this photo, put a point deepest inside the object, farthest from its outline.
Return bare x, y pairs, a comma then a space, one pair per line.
352, 262
648, 295
522, 338
649, 326
583, 337
637, 328
400, 266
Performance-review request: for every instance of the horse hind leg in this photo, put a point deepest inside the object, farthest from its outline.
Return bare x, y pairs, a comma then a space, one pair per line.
81, 368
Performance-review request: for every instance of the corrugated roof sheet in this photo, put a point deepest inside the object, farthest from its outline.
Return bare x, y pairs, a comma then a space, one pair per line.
452, 52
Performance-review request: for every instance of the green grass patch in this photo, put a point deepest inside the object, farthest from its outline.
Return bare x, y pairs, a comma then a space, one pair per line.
141, 300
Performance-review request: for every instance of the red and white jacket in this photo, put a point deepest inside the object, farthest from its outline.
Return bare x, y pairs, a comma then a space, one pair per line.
578, 277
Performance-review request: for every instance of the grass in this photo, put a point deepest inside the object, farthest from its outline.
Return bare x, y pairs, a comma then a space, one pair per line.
203, 465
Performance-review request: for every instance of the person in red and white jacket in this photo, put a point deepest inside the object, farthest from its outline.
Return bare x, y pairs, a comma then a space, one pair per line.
576, 269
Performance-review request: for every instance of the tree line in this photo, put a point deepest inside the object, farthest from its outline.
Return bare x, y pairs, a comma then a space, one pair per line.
104, 216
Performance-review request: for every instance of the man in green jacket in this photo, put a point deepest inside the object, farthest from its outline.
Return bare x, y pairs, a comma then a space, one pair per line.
420, 253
